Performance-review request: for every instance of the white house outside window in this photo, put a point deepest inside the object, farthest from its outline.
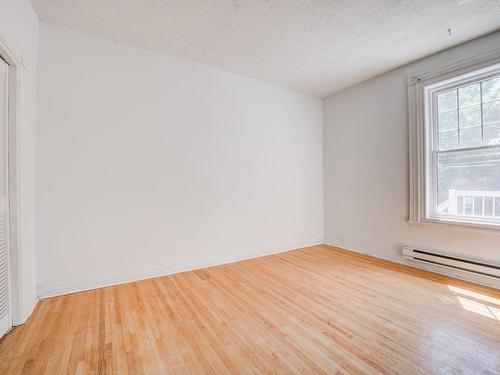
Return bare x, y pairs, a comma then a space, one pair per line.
455, 144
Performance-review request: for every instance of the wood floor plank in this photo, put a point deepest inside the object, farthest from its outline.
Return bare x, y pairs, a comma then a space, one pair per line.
317, 310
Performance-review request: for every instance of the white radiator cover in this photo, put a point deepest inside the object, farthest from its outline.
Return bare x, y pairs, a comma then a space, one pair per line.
477, 270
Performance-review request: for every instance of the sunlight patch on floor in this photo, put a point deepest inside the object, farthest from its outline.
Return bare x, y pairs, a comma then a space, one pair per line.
478, 303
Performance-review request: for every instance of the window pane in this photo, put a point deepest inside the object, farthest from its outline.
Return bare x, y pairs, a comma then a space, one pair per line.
448, 130
447, 101
491, 112
468, 205
488, 206
470, 116
471, 136
466, 179
448, 140
448, 120
458, 207
491, 134
469, 95
478, 206
491, 90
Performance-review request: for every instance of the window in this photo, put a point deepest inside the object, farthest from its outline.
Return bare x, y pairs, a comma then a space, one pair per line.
455, 144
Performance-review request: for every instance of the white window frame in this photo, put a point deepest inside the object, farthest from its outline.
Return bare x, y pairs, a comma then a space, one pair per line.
422, 90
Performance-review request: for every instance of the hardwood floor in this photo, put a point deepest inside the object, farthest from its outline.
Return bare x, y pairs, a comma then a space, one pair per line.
314, 310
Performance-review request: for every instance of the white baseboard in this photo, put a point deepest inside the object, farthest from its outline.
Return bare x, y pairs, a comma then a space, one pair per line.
25, 312
366, 250
80, 285
385, 254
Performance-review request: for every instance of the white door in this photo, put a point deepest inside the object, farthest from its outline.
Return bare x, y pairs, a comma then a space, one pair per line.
5, 313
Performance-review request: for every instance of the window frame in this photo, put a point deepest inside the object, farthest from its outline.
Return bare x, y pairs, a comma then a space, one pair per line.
422, 97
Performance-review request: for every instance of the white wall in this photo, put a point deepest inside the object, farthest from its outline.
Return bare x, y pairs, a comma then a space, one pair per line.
19, 36
148, 164
366, 168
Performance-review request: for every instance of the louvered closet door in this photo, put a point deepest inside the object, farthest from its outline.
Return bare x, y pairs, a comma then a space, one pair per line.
5, 316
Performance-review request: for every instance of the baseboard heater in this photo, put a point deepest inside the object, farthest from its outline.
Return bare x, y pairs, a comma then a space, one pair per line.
477, 267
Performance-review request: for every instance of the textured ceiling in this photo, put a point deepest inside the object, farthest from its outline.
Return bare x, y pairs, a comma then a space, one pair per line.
313, 46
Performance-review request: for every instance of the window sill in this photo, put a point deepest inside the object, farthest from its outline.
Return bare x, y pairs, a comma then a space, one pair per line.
463, 224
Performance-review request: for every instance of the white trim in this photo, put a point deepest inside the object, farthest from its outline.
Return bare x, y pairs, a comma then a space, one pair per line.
15, 268
79, 285
364, 249
396, 256
418, 88
455, 69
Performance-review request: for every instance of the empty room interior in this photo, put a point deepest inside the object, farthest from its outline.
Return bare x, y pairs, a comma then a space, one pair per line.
249, 187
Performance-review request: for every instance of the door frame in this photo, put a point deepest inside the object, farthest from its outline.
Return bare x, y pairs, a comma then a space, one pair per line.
14, 254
